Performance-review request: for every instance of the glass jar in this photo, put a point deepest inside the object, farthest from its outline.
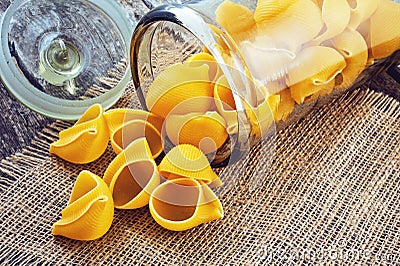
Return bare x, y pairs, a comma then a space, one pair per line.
280, 59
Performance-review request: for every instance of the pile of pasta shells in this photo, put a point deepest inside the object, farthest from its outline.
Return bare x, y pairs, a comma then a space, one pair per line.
177, 191
303, 49
193, 111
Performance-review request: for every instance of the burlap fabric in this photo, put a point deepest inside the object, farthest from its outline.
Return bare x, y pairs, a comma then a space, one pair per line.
330, 194
325, 192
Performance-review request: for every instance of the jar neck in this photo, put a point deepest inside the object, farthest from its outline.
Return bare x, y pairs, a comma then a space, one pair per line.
192, 19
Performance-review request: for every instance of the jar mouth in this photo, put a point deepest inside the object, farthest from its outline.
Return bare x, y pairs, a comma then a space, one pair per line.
199, 27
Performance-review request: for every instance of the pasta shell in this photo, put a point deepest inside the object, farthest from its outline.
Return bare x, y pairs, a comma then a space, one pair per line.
264, 114
352, 46
273, 102
268, 10
274, 60
290, 23
182, 204
285, 105
225, 104
134, 130
132, 176
336, 16
309, 74
176, 85
224, 101
90, 210
385, 29
361, 10
199, 59
186, 160
205, 131
115, 118
84, 142
244, 27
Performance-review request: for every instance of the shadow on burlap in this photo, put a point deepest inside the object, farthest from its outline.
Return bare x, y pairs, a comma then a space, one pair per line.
331, 194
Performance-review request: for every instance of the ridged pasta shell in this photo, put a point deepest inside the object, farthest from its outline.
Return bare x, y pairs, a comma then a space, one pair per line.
352, 46
310, 74
264, 114
177, 84
186, 160
281, 104
273, 102
361, 10
132, 176
385, 29
115, 118
244, 25
224, 101
225, 104
199, 59
133, 130
182, 204
84, 142
289, 22
205, 131
267, 10
90, 210
336, 16
274, 60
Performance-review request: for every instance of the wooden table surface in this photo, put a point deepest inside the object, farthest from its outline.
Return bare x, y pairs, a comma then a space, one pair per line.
18, 124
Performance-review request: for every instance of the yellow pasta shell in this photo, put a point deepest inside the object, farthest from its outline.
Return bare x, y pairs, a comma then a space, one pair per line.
90, 210
281, 105
225, 104
138, 150
273, 102
84, 142
199, 59
336, 16
286, 105
313, 70
115, 118
361, 10
264, 114
244, 25
274, 60
385, 29
132, 176
182, 204
186, 160
134, 130
205, 131
268, 10
178, 84
352, 46
290, 23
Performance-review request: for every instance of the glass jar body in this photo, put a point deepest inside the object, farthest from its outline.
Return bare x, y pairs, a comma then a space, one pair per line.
280, 59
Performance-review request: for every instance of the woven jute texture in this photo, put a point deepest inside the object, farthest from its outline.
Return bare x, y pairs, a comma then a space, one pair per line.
329, 194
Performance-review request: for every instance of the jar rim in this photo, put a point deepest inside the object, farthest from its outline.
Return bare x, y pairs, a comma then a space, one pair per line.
194, 22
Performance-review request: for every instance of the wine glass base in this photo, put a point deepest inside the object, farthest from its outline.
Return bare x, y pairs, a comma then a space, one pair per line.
54, 54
